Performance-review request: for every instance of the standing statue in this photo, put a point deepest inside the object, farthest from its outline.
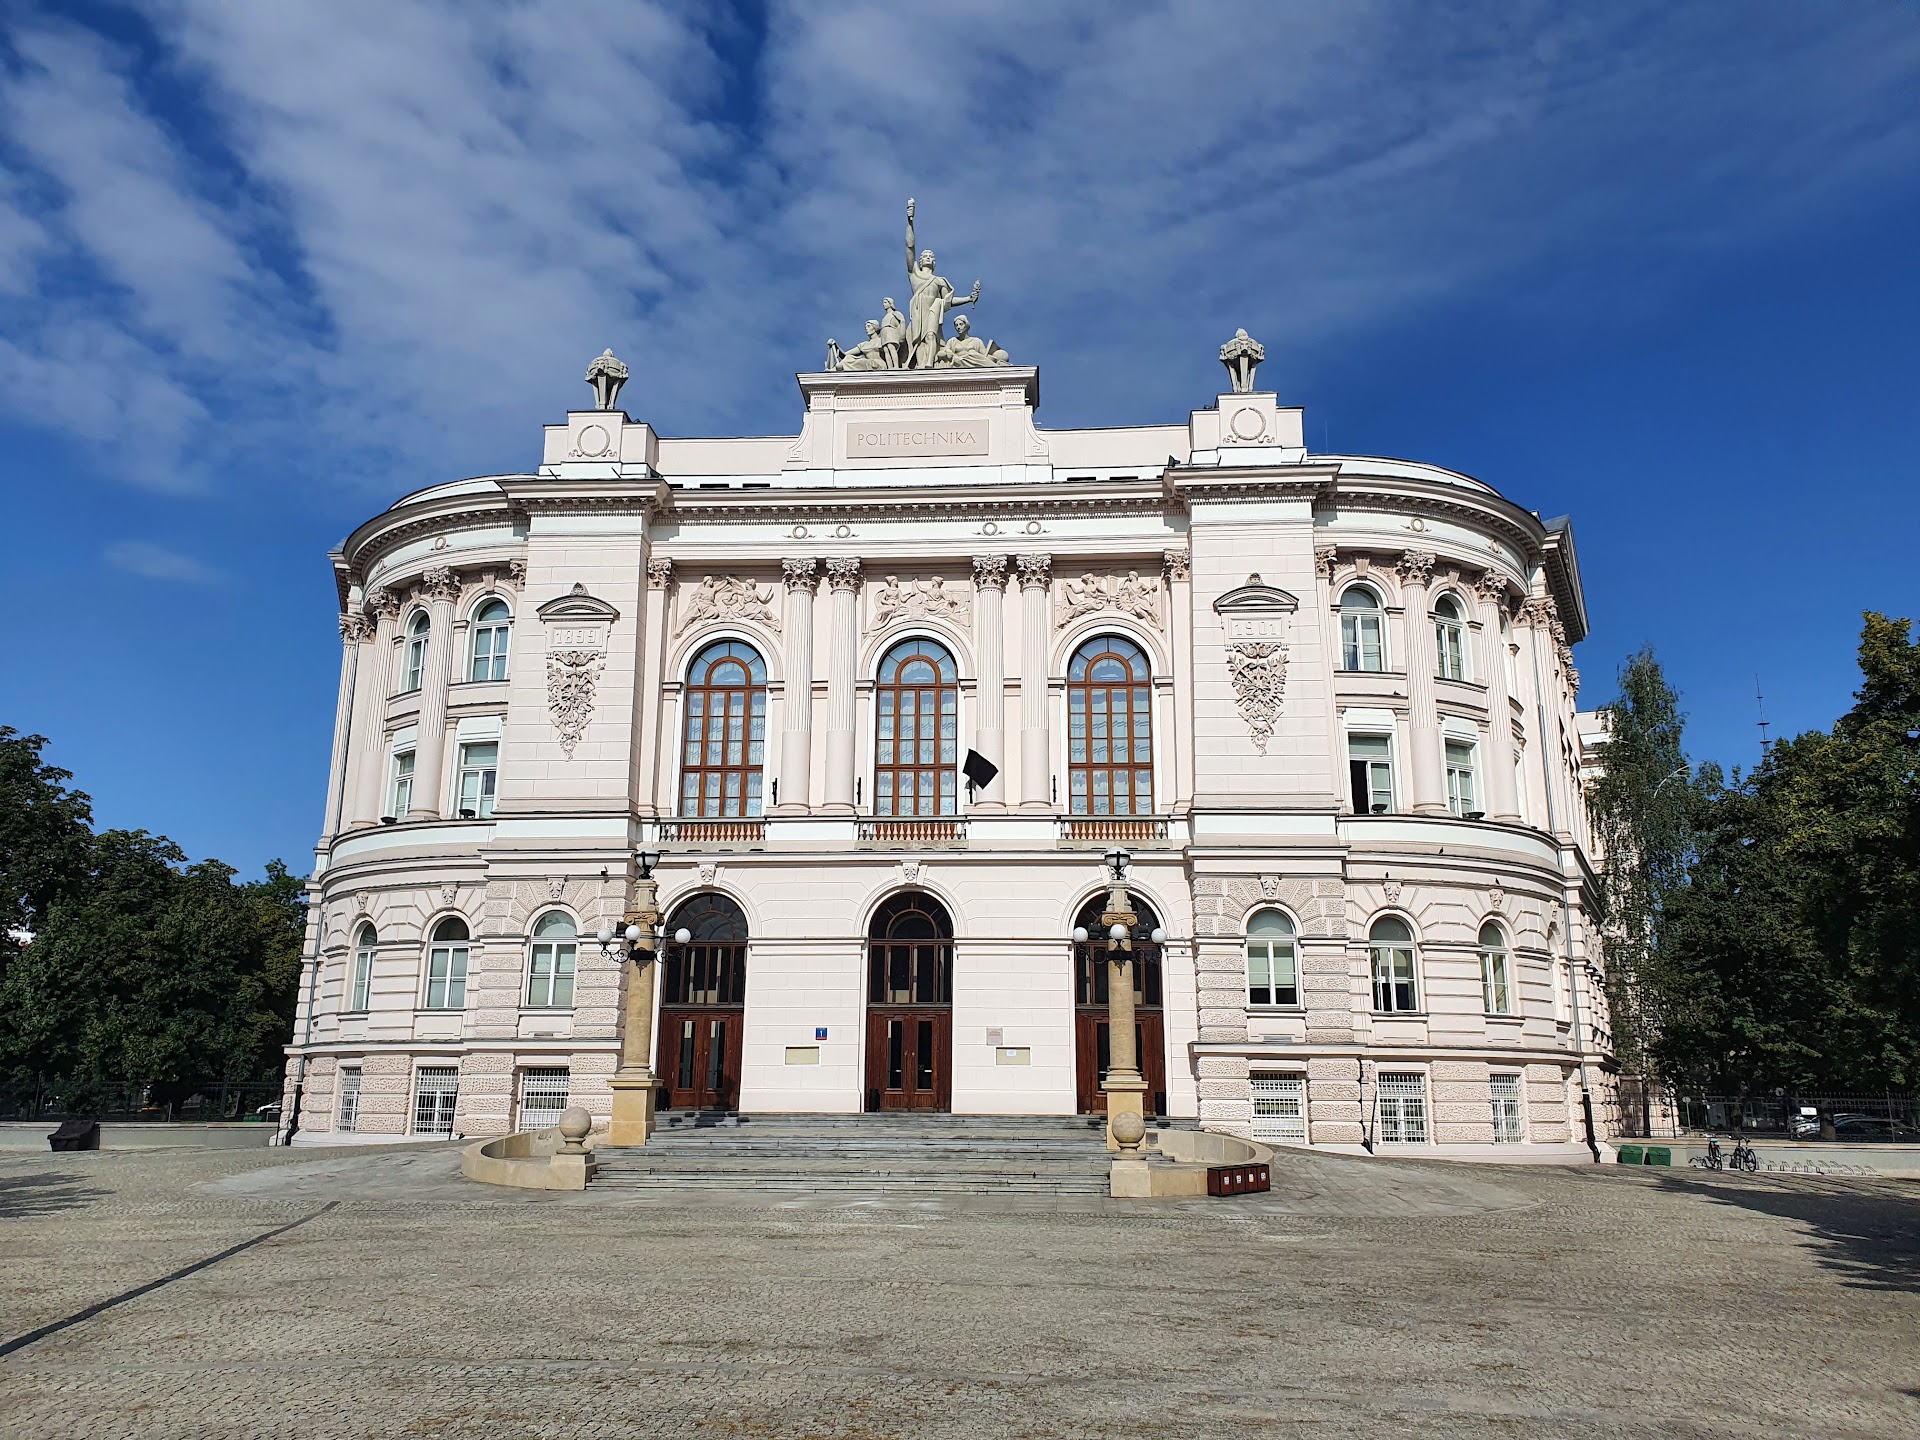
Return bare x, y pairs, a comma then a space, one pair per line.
933, 297
606, 375
893, 337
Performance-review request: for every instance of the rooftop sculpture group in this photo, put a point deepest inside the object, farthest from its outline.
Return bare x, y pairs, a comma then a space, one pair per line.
918, 340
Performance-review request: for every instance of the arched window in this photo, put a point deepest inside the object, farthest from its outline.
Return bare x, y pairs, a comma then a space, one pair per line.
1449, 639
1496, 970
1391, 942
726, 732
447, 966
1091, 959
917, 730
1109, 729
363, 949
910, 952
1273, 969
416, 657
551, 961
1363, 643
711, 968
492, 628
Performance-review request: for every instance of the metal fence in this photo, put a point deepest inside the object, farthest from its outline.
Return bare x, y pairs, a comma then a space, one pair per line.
129, 1100
1649, 1112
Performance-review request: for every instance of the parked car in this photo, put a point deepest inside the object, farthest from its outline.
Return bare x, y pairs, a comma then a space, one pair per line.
1804, 1126
1873, 1128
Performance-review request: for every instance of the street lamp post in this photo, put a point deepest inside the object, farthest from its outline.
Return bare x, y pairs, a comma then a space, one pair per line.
1124, 1088
634, 1085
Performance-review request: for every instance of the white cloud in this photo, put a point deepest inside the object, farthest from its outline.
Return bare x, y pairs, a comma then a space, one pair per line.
388, 237
156, 562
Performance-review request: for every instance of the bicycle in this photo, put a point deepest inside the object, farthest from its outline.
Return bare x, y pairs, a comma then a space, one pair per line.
1743, 1157
1712, 1159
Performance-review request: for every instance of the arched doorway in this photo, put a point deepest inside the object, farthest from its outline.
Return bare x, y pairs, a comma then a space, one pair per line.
702, 1005
910, 1005
1092, 1043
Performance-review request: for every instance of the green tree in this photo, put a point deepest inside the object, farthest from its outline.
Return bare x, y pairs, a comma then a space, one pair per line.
45, 838
1641, 807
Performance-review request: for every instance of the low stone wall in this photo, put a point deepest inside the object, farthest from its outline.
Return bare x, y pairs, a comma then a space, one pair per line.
146, 1134
1176, 1164
527, 1160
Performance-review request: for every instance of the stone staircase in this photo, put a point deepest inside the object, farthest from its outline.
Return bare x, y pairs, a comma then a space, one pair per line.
855, 1155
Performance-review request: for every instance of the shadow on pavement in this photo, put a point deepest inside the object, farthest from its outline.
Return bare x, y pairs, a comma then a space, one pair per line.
1871, 1237
25, 1196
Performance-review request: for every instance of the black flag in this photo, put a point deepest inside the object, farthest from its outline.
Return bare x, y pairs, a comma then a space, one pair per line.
979, 770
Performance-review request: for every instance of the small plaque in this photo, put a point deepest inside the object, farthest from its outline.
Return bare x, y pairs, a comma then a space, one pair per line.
803, 1054
819, 1032
996, 1036
1013, 1055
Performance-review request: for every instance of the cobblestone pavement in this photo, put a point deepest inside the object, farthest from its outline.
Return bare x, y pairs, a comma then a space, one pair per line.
1360, 1299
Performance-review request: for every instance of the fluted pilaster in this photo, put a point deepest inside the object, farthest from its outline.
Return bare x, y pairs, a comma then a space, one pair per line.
843, 657
1036, 756
796, 734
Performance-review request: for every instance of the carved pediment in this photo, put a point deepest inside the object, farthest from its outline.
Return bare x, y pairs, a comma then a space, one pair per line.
1256, 598
577, 605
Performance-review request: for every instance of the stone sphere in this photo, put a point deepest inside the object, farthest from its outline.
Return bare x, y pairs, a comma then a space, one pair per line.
575, 1123
1128, 1128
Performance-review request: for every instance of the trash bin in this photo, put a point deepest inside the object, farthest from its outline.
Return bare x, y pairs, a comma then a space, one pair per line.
77, 1133
1633, 1154
1659, 1155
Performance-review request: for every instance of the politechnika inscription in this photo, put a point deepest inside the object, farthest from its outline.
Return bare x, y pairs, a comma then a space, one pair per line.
947, 437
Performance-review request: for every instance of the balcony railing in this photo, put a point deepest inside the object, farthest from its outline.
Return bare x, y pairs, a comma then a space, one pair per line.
913, 834
1107, 829
713, 832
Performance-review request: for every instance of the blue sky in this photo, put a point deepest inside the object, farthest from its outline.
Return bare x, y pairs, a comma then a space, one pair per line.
264, 268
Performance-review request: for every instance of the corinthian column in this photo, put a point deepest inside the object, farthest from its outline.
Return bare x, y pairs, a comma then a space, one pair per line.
370, 708
989, 609
353, 631
796, 734
1429, 789
843, 654
1501, 789
441, 585
1036, 758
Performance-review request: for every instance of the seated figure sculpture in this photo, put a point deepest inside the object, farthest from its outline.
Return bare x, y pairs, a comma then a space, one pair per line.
867, 355
966, 351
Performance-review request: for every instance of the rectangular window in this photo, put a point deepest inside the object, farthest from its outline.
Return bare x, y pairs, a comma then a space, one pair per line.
1362, 644
1496, 981
362, 978
543, 1095
1272, 973
1393, 987
1449, 641
1280, 1108
1506, 1109
447, 977
348, 1118
479, 768
550, 974
1520, 785
1370, 760
400, 785
1402, 1102
436, 1089
1462, 796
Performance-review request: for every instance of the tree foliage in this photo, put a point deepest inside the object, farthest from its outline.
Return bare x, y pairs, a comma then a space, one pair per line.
140, 966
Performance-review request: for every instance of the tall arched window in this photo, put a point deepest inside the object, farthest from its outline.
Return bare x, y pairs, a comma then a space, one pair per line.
492, 628
917, 730
416, 658
711, 968
726, 732
1496, 970
1449, 639
363, 951
910, 1004
1109, 729
910, 952
1273, 970
1363, 643
703, 997
1391, 941
447, 966
551, 961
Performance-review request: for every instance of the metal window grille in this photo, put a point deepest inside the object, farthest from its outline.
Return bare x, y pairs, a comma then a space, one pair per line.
1403, 1109
1506, 1109
436, 1089
1280, 1108
543, 1095
349, 1118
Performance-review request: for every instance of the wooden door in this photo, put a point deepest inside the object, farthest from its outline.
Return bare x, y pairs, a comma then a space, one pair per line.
1093, 1051
698, 1058
909, 1058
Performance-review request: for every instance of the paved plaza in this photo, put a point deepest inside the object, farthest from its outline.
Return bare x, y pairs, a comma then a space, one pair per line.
1360, 1298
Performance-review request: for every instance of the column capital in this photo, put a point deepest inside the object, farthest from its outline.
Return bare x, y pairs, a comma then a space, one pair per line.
800, 574
843, 573
659, 573
1492, 588
517, 574
441, 582
1178, 564
990, 572
382, 601
1416, 567
356, 626
1325, 560
1036, 571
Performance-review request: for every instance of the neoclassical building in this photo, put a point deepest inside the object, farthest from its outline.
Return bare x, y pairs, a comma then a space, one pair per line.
1325, 702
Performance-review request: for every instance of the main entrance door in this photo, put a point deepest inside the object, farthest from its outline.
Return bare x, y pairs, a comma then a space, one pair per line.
910, 1005
702, 1006
1093, 1040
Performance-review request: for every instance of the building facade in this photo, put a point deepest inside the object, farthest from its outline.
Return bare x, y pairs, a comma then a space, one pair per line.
1325, 702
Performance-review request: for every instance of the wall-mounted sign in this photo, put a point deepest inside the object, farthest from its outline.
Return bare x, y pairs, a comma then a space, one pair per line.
819, 1032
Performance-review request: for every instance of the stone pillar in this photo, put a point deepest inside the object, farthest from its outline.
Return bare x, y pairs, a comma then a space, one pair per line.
1178, 565
1492, 657
370, 704
1124, 1086
843, 655
1538, 654
429, 754
1036, 756
1429, 783
1326, 564
650, 714
633, 1084
796, 733
989, 608
354, 628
